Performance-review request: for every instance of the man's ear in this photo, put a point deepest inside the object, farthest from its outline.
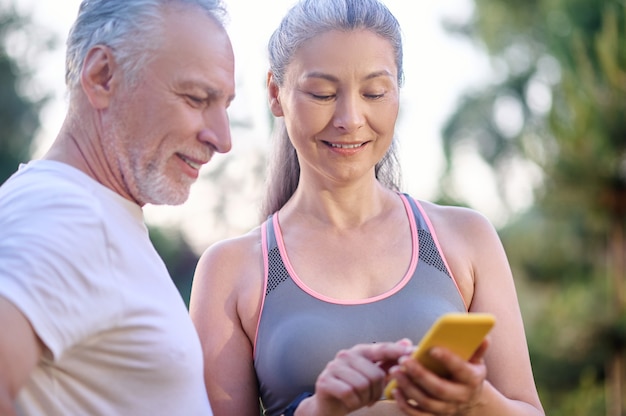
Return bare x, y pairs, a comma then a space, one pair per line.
274, 97
97, 75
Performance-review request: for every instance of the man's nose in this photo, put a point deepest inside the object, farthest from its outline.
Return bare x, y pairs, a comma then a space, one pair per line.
216, 131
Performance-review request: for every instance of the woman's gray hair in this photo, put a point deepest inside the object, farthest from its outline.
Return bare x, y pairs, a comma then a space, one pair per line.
130, 27
307, 19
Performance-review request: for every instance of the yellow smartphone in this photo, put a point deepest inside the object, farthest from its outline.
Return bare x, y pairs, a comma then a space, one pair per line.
461, 333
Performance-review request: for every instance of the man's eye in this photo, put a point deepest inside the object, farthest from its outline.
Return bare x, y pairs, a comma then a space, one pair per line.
374, 96
195, 100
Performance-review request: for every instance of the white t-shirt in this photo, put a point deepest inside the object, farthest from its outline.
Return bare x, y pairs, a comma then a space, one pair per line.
76, 259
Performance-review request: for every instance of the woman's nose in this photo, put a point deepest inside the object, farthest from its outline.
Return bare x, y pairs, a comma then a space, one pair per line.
349, 114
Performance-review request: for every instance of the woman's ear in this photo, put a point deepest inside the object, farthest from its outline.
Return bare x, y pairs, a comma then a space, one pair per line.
97, 74
273, 91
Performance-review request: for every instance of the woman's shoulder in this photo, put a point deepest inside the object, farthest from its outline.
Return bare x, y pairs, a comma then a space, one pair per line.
461, 228
455, 217
234, 249
229, 266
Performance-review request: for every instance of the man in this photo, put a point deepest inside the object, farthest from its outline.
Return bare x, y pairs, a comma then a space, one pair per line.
91, 321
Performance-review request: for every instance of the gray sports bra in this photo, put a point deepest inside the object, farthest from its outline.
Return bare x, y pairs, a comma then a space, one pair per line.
300, 331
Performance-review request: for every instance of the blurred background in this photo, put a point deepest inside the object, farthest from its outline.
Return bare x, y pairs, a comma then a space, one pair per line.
516, 109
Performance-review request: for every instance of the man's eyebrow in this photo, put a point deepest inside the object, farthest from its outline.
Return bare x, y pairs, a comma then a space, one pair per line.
212, 93
204, 86
215, 93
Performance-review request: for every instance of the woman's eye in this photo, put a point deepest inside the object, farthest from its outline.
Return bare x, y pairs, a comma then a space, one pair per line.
374, 96
322, 97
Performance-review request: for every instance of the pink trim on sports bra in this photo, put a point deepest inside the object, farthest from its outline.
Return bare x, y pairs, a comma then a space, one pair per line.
433, 234
266, 272
407, 276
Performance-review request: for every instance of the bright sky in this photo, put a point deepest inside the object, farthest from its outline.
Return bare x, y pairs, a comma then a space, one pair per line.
438, 68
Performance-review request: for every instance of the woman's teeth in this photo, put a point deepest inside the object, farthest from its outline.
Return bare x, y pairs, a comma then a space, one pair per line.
345, 146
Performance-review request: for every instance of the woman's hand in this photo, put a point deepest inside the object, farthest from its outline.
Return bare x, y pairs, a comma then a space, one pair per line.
422, 392
355, 378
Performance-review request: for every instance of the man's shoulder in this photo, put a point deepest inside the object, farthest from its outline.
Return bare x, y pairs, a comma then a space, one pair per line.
41, 200
32, 189
44, 178
49, 187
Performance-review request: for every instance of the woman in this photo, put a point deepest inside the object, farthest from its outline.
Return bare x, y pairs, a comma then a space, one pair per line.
314, 311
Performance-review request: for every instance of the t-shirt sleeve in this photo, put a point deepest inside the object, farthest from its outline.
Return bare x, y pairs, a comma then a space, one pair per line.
54, 263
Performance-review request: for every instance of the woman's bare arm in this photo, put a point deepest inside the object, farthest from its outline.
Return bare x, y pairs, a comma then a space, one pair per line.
224, 307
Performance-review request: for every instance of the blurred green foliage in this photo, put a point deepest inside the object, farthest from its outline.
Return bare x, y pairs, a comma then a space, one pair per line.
19, 114
561, 65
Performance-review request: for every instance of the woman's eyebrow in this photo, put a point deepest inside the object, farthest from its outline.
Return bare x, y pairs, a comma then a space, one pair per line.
332, 78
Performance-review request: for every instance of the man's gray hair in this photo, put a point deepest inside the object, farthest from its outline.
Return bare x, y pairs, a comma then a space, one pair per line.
130, 27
